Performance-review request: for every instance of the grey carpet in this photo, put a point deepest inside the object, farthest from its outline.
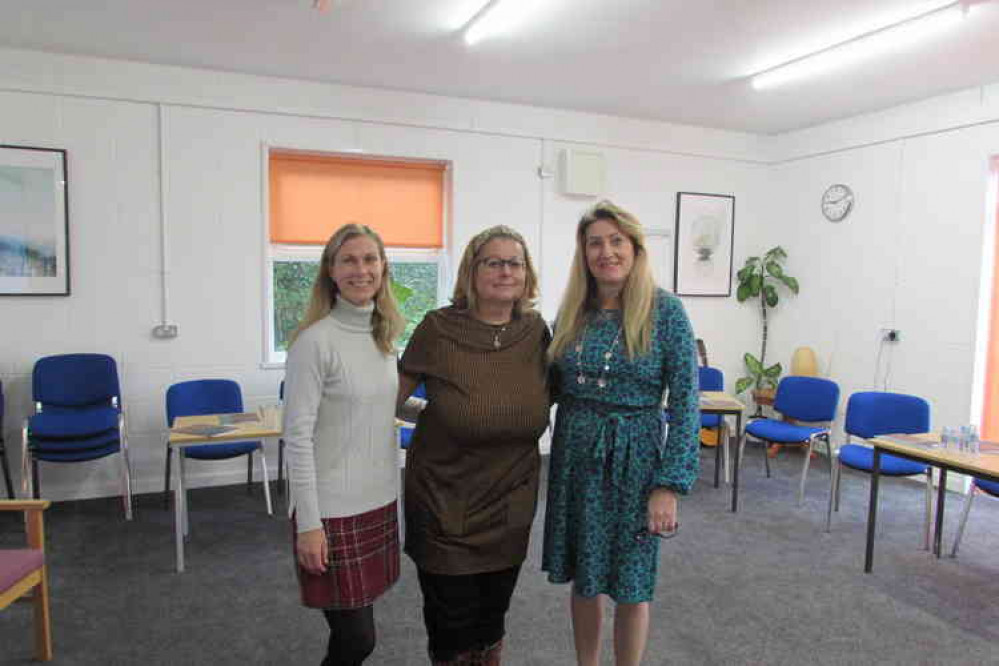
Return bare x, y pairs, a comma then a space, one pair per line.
764, 586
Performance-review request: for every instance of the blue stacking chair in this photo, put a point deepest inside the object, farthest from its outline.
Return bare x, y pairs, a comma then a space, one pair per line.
801, 400
977, 486
3, 452
406, 431
212, 396
712, 379
873, 413
78, 415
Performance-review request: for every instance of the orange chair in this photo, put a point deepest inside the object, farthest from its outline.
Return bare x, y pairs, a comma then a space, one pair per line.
24, 569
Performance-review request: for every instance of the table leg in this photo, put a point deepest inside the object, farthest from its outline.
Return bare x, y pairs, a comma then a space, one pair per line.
178, 511
718, 451
872, 511
735, 462
938, 528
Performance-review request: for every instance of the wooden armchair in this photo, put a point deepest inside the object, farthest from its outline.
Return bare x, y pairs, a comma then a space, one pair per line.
23, 570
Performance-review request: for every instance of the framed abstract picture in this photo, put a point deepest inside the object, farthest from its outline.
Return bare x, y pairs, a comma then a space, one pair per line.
705, 231
34, 222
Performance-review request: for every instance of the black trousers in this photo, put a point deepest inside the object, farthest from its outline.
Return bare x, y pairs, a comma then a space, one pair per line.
352, 636
465, 613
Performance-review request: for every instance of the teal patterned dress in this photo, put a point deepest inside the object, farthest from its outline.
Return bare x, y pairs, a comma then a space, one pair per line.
608, 451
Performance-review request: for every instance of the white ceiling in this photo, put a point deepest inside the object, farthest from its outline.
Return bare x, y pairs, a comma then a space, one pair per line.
682, 61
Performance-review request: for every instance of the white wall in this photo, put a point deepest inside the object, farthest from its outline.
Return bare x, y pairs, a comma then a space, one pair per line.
908, 257
111, 118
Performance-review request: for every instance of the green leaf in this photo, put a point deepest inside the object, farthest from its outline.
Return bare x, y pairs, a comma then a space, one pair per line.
744, 274
774, 269
773, 372
743, 384
777, 253
791, 283
751, 261
743, 292
770, 295
401, 292
753, 363
755, 284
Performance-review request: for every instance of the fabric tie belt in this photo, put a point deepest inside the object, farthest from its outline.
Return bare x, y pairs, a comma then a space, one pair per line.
615, 444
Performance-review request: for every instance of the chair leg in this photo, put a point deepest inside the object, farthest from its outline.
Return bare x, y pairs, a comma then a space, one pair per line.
181, 471
166, 478
968, 497
249, 474
126, 468
804, 472
6, 469
36, 487
267, 482
766, 458
835, 469
43, 623
43, 620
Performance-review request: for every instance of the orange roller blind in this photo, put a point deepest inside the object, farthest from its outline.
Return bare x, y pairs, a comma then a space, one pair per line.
312, 195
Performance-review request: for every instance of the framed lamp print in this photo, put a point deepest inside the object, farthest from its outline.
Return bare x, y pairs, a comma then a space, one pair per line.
705, 229
34, 222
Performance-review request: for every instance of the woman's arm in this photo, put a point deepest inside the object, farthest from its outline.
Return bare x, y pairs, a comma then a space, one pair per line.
408, 408
305, 370
680, 456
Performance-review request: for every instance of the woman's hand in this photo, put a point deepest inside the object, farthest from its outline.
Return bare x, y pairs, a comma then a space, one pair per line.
662, 511
312, 551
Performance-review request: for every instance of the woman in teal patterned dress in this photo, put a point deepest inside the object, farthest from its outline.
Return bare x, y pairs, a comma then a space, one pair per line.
620, 344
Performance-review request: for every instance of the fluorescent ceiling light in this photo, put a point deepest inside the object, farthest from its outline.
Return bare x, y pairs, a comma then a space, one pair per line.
497, 17
884, 40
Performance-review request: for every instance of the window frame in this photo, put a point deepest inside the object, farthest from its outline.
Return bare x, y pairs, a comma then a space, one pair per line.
273, 359
278, 252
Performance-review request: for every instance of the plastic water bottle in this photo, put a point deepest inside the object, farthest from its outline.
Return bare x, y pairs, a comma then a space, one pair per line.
965, 439
947, 438
974, 444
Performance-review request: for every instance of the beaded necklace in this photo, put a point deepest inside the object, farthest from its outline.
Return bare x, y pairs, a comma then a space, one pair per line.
580, 346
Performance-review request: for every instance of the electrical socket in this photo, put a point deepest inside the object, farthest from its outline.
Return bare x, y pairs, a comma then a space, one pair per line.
890, 334
165, 331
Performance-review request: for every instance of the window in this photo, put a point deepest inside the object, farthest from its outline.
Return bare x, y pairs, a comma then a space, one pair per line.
311, 195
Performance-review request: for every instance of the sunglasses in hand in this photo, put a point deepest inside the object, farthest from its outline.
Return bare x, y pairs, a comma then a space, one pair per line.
644, 534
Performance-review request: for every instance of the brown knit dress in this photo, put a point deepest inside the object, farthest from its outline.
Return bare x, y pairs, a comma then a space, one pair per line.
472, 466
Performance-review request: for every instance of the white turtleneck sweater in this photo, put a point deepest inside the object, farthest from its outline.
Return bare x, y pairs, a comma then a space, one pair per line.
339, 419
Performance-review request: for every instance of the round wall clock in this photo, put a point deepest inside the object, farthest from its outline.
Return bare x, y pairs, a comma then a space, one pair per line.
837, 202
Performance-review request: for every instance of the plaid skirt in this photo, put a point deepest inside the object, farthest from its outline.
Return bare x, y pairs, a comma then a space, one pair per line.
363, 560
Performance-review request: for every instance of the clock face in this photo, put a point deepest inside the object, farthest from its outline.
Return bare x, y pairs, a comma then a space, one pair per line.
837, 202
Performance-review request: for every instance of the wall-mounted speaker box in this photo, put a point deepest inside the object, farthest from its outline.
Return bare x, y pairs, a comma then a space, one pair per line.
583, 173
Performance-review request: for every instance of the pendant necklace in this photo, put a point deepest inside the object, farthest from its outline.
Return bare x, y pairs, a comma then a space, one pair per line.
602, 378
496, 336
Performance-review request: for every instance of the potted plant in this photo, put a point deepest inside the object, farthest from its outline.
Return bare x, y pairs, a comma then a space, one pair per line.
759, 278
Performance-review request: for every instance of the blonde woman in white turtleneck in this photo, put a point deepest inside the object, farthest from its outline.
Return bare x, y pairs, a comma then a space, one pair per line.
340, 391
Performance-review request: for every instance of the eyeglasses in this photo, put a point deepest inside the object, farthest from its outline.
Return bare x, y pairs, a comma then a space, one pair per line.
644, 534
496, 265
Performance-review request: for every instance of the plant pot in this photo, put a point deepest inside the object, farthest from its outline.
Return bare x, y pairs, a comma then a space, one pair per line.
764, 396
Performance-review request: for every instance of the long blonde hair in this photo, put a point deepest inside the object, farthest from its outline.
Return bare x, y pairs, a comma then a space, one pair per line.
465, 296
580, 298
386, 322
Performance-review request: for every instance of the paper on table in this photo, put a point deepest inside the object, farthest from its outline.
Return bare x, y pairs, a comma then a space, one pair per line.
245, 417
912, 440
204, 429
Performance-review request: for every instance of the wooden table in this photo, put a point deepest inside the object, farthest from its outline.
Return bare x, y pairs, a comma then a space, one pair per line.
925, 448
719, 402
269, 425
